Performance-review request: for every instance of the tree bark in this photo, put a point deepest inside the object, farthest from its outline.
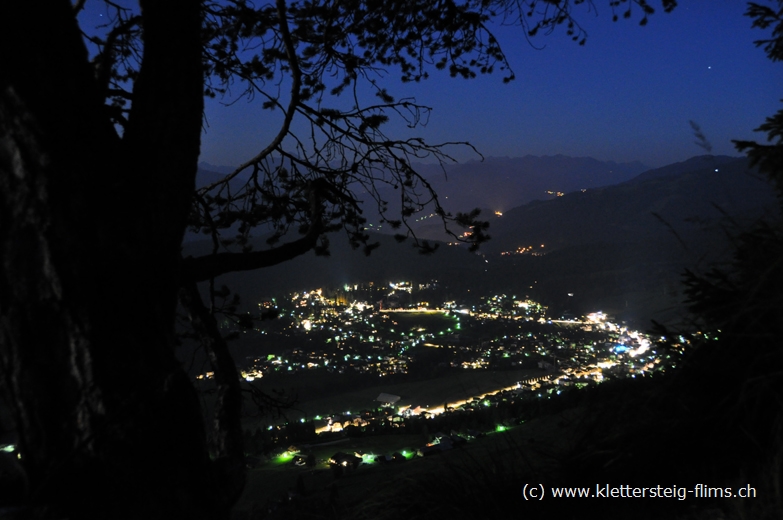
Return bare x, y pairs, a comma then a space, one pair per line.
90, 229
228, 441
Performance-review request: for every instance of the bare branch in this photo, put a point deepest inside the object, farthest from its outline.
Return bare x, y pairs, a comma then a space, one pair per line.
210, 266
296, 75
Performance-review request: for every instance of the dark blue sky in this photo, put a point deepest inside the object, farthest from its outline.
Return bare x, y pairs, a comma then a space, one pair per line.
626, 95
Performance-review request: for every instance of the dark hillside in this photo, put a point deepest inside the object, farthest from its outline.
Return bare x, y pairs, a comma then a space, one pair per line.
624, 248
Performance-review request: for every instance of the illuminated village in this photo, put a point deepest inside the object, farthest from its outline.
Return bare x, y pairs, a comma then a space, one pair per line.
371, 329
382, 330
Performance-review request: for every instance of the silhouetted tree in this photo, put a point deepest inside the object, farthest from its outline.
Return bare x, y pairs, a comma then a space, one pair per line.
99, 141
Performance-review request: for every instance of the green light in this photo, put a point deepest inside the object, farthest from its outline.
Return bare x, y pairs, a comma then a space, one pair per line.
286, 456
500, 428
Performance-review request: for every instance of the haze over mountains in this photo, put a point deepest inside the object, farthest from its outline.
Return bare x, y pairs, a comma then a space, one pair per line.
620, 245
495, 184
502, 183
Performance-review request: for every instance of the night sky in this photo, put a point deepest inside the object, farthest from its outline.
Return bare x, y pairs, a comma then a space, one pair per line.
626, 95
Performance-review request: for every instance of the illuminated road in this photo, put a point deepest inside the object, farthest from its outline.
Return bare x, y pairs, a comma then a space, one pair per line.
455, 404
422, 311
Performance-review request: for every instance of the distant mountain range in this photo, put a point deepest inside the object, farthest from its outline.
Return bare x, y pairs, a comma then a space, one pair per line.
624, 248
497, 184
206, 167
620, 245
686, 198
502, 183
494, 184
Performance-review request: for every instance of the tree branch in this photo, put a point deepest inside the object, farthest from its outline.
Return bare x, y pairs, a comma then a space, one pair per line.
205, 267
209, 266
164, 124
296, 76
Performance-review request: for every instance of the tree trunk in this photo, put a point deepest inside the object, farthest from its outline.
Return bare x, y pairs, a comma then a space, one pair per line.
90, 230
